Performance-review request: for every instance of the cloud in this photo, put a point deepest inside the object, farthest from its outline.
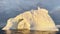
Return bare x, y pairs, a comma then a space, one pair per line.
55, 13
11, 8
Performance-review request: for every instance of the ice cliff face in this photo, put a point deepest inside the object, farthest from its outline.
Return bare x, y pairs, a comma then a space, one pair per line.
32, 20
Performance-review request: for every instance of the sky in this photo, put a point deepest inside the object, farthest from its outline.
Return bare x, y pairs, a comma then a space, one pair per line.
11, 8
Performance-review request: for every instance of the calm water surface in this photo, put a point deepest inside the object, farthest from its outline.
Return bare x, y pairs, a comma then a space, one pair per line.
25, 32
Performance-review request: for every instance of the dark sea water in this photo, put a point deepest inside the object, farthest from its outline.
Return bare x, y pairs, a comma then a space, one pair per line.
25, 32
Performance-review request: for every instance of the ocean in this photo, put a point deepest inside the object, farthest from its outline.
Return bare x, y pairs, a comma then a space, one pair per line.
25, 32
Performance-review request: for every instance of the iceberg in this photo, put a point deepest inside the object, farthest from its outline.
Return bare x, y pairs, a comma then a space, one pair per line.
32, 20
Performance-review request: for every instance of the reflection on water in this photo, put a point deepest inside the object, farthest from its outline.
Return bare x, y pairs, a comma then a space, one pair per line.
25, 32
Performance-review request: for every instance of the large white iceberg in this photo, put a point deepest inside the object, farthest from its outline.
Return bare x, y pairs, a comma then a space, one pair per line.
32, 20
